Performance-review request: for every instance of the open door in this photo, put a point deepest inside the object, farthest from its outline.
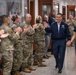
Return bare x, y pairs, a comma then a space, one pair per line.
45, 7
64, 12
70, 10
31, 10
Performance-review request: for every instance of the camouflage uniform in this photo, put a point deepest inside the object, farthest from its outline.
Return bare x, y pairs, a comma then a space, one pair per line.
28, 45
71, 25
74, 22
7, 50
18, 52
75, 39
40, 43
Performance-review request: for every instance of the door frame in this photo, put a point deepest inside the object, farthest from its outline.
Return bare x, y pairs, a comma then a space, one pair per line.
31, 10
43, 2
64, 12
70, 7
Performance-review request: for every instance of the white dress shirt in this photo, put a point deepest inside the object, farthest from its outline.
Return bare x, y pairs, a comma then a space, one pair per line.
58, 28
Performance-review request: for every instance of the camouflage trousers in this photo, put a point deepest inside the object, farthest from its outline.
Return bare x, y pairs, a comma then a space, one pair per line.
39, 53
7, 58
27, 55
17, 57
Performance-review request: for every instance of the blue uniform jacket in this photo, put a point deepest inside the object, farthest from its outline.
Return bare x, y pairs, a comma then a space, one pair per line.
63, 33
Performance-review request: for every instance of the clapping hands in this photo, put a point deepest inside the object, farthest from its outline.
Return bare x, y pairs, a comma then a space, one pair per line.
4, 35
18, 29
26, 29
1, 32
35, 26
46, 25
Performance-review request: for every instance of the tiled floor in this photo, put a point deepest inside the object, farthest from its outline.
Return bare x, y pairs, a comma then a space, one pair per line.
69, 65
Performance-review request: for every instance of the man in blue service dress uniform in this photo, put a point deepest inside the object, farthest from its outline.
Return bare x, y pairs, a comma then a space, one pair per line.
59, 32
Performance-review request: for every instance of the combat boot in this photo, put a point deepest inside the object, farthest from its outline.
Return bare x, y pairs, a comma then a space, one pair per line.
40, 64
45, 57
43, 60
27, 70
31, 68
16, 73
1, 72
35, 63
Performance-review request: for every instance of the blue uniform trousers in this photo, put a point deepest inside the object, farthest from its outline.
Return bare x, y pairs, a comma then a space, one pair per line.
59, 47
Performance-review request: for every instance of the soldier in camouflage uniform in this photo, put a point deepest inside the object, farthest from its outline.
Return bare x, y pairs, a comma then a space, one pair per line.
75, 26
74, 22
27, 36
7, 47
40, 42
2, 35
70, 24
18, 46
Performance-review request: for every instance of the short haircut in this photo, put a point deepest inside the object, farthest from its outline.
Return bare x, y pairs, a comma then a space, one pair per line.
4, 18
45, 21
27, 15
60, 14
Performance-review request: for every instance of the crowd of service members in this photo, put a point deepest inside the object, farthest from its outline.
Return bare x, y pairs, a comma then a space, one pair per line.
16, 42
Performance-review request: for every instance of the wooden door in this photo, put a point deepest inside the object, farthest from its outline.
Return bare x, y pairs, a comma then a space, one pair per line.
31, 10
45, 2
70, 10
64, 12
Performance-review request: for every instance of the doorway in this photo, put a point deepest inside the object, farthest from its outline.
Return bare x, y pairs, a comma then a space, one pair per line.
70, 10
31, 10
45, 7
64, 12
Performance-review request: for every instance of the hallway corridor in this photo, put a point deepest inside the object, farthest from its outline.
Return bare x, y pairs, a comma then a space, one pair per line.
69, 65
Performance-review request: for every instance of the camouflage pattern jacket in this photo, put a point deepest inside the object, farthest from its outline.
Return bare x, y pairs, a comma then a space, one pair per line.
7, 43
28, 36
39, 33
70, 23
18, 39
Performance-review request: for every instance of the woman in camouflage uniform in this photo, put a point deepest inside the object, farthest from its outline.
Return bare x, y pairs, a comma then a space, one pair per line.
18, 43
39, 39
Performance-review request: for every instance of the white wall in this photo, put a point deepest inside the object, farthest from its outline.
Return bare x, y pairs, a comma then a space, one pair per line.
3, 7
36, 8
60, 8
23, 8
65, 3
